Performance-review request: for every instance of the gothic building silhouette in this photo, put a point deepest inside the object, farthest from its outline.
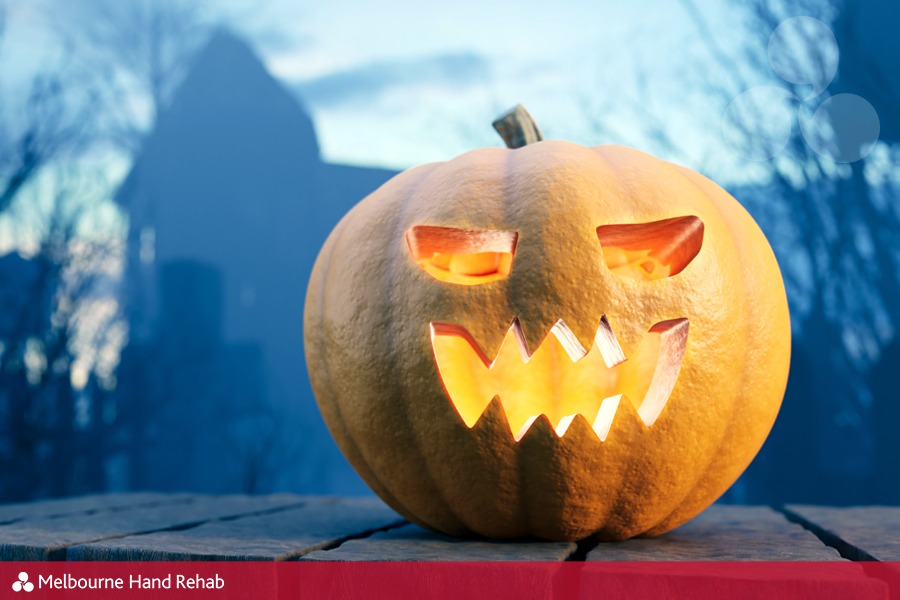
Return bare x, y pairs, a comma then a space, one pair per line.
229, 202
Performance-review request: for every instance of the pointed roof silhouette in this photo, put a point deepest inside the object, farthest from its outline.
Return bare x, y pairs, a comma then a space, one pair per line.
230, 180
227, 80
228, 100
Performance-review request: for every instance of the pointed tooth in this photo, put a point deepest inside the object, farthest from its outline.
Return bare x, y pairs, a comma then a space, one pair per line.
526, 427
674, 336
605, 416
493, 417
564, 423
522, 343
627, 425
450, 329
581, 429
539, 434
608, 344
568, 340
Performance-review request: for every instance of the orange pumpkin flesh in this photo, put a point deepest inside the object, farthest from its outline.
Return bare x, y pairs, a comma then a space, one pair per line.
552, 341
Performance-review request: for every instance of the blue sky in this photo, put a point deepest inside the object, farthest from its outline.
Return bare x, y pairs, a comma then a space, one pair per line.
400, 82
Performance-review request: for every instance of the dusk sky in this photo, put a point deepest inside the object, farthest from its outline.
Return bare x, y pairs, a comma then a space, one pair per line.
400, 82
403, 82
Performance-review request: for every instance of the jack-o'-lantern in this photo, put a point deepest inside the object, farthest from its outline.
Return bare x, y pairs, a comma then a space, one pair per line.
548, 340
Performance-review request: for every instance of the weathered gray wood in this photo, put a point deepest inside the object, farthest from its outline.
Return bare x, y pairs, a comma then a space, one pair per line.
48, 538
283, 527
722, 533
411, 542
871, 532
82, 504
283, 535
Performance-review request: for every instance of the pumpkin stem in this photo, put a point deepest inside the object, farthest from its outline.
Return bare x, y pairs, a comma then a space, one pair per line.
517, 128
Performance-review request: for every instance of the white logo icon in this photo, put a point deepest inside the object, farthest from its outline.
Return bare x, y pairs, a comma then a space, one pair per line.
23, 583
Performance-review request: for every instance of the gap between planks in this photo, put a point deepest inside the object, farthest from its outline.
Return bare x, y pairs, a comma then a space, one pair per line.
186, 499
582, 549
59, 554
333, 545
830, 539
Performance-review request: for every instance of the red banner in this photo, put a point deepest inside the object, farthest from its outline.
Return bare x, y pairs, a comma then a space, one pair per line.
451, 581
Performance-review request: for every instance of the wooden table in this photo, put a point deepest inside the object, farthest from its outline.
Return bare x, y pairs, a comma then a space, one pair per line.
151, 526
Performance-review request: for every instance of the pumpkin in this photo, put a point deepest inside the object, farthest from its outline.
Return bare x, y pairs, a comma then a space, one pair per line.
548, 340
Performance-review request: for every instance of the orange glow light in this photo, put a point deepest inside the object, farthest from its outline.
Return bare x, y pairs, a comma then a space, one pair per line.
651, 250
553, 382
462, 256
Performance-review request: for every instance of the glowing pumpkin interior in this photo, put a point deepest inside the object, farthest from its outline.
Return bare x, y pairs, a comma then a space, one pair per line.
462, 256
560, 378
651, 250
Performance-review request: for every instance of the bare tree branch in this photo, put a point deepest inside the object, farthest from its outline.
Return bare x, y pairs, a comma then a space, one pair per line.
141, 50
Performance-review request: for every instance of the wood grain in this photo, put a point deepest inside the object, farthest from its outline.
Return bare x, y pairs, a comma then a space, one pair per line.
724, 533
316, 523
411, 542
870, 532
149, 526
83, 504
48, 538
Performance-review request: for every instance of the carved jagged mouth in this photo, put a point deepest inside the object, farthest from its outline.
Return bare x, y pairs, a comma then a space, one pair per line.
560, 379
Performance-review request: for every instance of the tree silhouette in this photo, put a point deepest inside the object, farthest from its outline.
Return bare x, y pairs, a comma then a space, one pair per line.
834, 225
140, 50
54, 376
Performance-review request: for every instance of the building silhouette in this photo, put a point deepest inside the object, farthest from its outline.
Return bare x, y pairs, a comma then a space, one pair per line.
229, 202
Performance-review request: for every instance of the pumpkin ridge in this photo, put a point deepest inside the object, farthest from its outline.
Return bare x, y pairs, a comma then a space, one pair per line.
367, 473
519, 512
398, 246
608, 153
473, 521
619, 499
673, 519
702, 474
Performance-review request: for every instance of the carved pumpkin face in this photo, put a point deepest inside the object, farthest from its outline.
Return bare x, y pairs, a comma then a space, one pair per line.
551, 341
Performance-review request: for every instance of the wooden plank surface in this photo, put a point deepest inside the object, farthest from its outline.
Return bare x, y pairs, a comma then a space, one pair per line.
145, 526
411, 542
313, 524
864, 533
47, 538
10, 513
724, 533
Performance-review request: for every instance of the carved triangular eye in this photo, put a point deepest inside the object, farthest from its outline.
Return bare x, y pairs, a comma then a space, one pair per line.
462, 256
651, 250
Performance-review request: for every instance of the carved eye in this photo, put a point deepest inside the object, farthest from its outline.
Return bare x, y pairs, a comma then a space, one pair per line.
462, 256
651, 250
